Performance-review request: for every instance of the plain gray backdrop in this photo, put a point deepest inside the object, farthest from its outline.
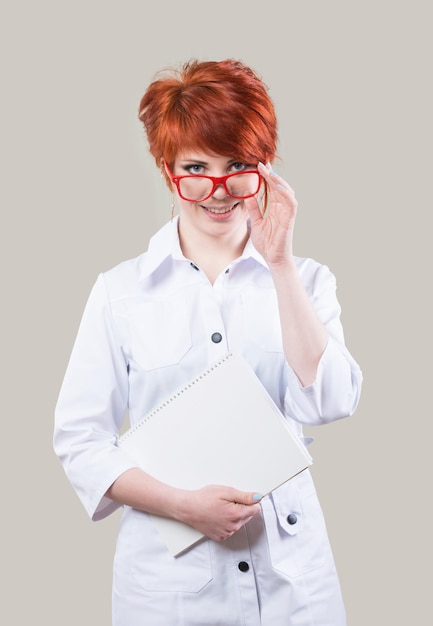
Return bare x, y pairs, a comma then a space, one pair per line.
79, 193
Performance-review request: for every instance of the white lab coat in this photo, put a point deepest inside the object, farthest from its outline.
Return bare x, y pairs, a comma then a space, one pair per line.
147, 330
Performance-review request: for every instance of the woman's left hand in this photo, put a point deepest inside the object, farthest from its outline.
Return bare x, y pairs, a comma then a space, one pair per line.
272, 233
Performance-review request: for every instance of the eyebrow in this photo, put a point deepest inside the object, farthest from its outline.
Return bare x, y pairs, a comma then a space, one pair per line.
195, 161
230, 160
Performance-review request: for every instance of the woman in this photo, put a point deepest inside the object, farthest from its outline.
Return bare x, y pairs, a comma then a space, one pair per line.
220, 276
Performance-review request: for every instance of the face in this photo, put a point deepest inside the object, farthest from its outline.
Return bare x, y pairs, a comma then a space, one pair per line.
220, 211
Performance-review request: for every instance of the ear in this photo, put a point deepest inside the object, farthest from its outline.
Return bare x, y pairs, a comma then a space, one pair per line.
165, 174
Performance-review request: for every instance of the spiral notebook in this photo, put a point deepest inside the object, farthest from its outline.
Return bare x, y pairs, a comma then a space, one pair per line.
221, 428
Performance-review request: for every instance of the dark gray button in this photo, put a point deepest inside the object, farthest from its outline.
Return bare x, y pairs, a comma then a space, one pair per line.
292, 519
216, 337
243, 566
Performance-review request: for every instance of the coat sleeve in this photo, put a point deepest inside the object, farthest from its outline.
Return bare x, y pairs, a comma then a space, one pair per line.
91, 407
336, 390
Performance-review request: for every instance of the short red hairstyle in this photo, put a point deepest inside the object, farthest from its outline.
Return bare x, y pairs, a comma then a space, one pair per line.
219, 106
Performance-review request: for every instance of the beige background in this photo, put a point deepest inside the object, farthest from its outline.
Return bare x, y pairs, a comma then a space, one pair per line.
352, 86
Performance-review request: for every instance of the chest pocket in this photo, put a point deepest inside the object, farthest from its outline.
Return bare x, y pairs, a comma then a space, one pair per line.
160, 333
261, 319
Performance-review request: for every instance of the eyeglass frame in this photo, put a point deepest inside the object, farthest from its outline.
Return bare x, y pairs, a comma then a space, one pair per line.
216, 180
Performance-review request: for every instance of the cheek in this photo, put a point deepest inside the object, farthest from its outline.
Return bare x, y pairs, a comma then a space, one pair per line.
179, 203
185, 206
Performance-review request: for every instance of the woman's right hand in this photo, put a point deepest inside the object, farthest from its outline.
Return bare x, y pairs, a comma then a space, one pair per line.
217, 511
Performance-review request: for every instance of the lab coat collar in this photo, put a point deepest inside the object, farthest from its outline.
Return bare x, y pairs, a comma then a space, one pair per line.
165, 244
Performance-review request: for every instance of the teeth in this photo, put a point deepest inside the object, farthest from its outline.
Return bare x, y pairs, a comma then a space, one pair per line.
219, 211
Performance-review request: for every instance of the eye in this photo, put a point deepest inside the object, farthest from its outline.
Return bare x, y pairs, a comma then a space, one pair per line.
193, 168
239, 166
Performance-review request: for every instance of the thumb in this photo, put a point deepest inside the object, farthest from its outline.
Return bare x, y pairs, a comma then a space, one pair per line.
246, 497
254, 210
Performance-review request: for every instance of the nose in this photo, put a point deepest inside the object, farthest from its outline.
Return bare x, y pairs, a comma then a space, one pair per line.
219, 192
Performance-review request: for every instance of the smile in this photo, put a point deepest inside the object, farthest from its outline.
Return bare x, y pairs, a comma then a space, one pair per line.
221, 211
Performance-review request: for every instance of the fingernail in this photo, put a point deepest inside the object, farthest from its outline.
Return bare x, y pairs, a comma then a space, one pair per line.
262, 165
257, 497
271, 169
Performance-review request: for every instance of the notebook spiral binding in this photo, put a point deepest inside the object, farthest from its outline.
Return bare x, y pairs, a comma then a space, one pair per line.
174, 396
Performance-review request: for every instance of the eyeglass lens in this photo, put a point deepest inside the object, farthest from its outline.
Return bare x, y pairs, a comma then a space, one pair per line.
240, 185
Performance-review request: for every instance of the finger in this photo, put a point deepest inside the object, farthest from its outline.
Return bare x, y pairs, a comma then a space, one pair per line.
284, 193
270, 175
273, 179
276, 183
253, 207
246, 497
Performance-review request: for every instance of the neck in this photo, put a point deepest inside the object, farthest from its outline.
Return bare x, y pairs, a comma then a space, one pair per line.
212, 252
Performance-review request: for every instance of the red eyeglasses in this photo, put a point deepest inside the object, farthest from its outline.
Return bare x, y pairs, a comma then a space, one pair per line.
196, 188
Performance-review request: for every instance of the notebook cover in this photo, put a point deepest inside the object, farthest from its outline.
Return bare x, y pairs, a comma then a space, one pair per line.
221, 428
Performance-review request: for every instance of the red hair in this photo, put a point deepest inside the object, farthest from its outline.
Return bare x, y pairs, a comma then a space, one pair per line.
218, 106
